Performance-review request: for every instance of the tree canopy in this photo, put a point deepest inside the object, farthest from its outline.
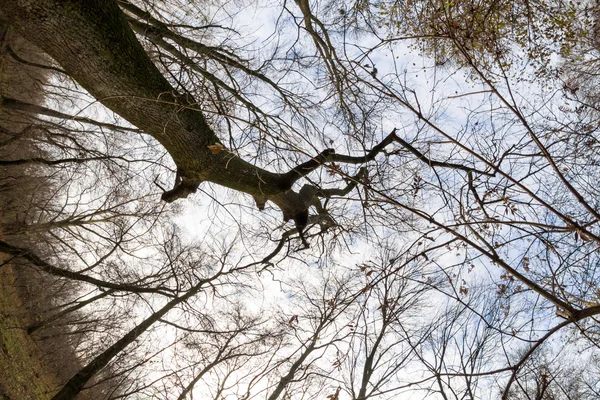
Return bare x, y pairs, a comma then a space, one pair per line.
437, 160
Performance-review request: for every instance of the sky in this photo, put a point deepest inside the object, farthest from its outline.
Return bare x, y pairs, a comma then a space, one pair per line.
224, 223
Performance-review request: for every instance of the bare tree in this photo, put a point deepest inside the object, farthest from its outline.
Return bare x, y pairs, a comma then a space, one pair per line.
469, 173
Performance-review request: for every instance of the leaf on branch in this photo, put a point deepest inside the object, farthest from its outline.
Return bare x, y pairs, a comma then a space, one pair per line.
463, 290
501, 289
334, 169
216, 148
336, 395
584, 237
518, 289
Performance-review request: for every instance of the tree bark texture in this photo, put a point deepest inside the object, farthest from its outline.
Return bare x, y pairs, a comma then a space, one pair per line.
93, 43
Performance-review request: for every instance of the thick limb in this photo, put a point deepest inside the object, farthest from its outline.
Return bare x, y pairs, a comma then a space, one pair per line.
307, 167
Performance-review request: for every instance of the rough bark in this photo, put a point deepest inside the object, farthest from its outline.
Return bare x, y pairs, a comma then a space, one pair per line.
93, 43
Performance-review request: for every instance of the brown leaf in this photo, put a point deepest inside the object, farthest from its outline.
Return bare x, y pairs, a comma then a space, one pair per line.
336, 395
334, 169
216, 148
584, 237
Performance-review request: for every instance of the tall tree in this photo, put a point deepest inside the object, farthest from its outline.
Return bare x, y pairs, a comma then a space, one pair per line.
468, 177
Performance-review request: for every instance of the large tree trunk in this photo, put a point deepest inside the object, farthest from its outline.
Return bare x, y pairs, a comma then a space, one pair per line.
93, 43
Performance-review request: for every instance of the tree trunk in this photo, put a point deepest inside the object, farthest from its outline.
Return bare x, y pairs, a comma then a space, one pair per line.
93, 43
78, 381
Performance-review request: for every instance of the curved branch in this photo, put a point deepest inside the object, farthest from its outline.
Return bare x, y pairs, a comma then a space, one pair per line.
378, 148
307, 167
18, 59
352, 182
39, 160
394, 138
35, 260
159, 29
18, 105
576, 317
